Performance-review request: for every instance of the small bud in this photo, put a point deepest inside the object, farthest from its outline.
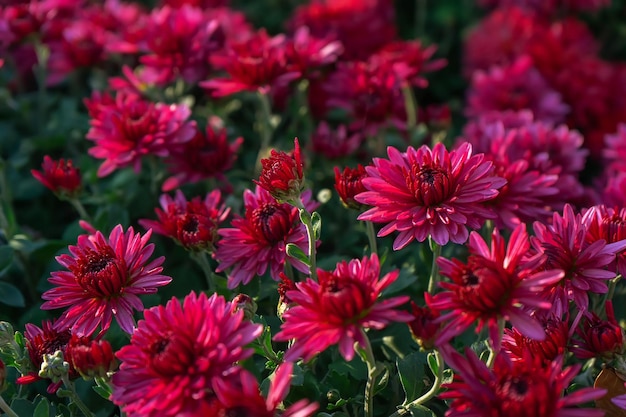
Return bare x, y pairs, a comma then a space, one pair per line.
245, 303
349, 183
91, 359
54, 367
333, 395
423, 328
282, 175
284, 302
61, 176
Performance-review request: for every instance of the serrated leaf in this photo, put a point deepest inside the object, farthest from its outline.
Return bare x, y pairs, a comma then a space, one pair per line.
6, 258
294, 251
421, 411
42, 409
11, 295
316, 222
411, 371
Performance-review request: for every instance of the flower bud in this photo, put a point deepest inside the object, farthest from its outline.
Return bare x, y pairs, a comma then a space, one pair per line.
350, 183
599, 338
91, 359
54, 366
59, 176
246, 304
282, 175
422, 327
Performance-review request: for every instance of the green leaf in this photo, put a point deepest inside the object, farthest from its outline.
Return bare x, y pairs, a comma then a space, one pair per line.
42, 409
316, 222
10, 295
6, 258
102, 388
294, 251
411, 371
421, 411
432, 362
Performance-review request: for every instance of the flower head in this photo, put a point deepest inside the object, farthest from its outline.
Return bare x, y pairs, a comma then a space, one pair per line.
307, 53
91, 358
104, 279
349, 183
257, 241
497, 283
177, 354
424, 326
425, 192
515, 388
336, 142
282, 175
608, 224
61, 176
192, 224
518, 346
596, 337
339, 306
127, 128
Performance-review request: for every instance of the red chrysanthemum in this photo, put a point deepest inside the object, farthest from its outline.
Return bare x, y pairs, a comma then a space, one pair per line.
91, 358
608, 224
550, 7
230, 395
127, 128
596, 337
306, 54
256, 64
60, 176
257, 241
497, 283
337, 142
349, 183
425, 325
104, 279
192, 224
515, 388
517, 346
282, 175
177, 354
339, 307
424, 192
615, 150
565, 245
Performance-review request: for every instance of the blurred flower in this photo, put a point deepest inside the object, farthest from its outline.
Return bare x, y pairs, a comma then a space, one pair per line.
515, 388
91, 358
424, 326
498, 283
127, 128
257, 240
178, 353
608, 224
349, 183
595, 337
306, 54
550, 7
230, 395
3, 375
256, 64
207, 155
615, 150
555, 344
585, 263
60, 176
282, 175
517, 86
339, 307
424, 192
192, 224
105, 278
336, 142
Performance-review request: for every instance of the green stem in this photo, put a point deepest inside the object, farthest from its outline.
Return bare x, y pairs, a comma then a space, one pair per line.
434, 269
78, 206
203, 262
74, 396
432, 392
7, 219
371, 236
305, 217
372, 372
7, 410
265, 127
492, 350
410, 106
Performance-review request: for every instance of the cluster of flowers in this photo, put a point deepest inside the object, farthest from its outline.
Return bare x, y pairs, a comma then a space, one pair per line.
516, 167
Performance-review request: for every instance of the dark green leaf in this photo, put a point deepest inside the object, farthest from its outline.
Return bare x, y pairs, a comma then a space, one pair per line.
10, 295
316, 221
42, 409
411, 371
432, 362
6, 258
421, 411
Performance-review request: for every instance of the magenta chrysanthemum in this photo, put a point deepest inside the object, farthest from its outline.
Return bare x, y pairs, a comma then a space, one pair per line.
257, 241
339, 306
425, 192
177, 354
104, 279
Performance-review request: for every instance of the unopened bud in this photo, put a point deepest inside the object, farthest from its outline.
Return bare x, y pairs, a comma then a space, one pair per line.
246, 304
54, 367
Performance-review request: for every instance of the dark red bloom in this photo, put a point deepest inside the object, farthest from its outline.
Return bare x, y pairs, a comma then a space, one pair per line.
282, 175
608, 224
61, 176
596, 337
425, 327
336, 142
348, 184
91, 358
192, 224
306, 53
549, 349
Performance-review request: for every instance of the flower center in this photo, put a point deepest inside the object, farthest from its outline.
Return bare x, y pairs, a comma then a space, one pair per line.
272, 222
100, 273
430, 186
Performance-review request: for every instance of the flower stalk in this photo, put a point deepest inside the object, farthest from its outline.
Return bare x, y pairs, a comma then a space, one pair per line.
203, 261
492, 350
373, 370
371, 236
75, 398
307, 220
7, 409
434, 269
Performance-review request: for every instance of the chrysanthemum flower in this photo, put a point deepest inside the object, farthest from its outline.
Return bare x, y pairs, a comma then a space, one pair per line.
61, 176
339, 307
609, 224
497, 283
91, 358
596, 337
349, 183
192, 224
257, 241
127, 128
282, 175
425, 192
177, 354
424, 325
104, 279
306, 53
515, 87
517, 346
565, 245
337, 142
515, 388
615, 150
207, 155
230, 395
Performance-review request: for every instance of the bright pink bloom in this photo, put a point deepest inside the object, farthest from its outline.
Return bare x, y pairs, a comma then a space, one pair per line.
177, 355
180, 42
515, 388
127, 128
59, 176
282, 175
257, 240
596, 337
206, 155
337, 142
609, 224
306, 54
425, 192
339, 307
202, 4
501, 282
192, 224
126, 26
614, 192
104, 279
256, 64
555, 344
517, 86
565, 245
348, 184
230, 395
